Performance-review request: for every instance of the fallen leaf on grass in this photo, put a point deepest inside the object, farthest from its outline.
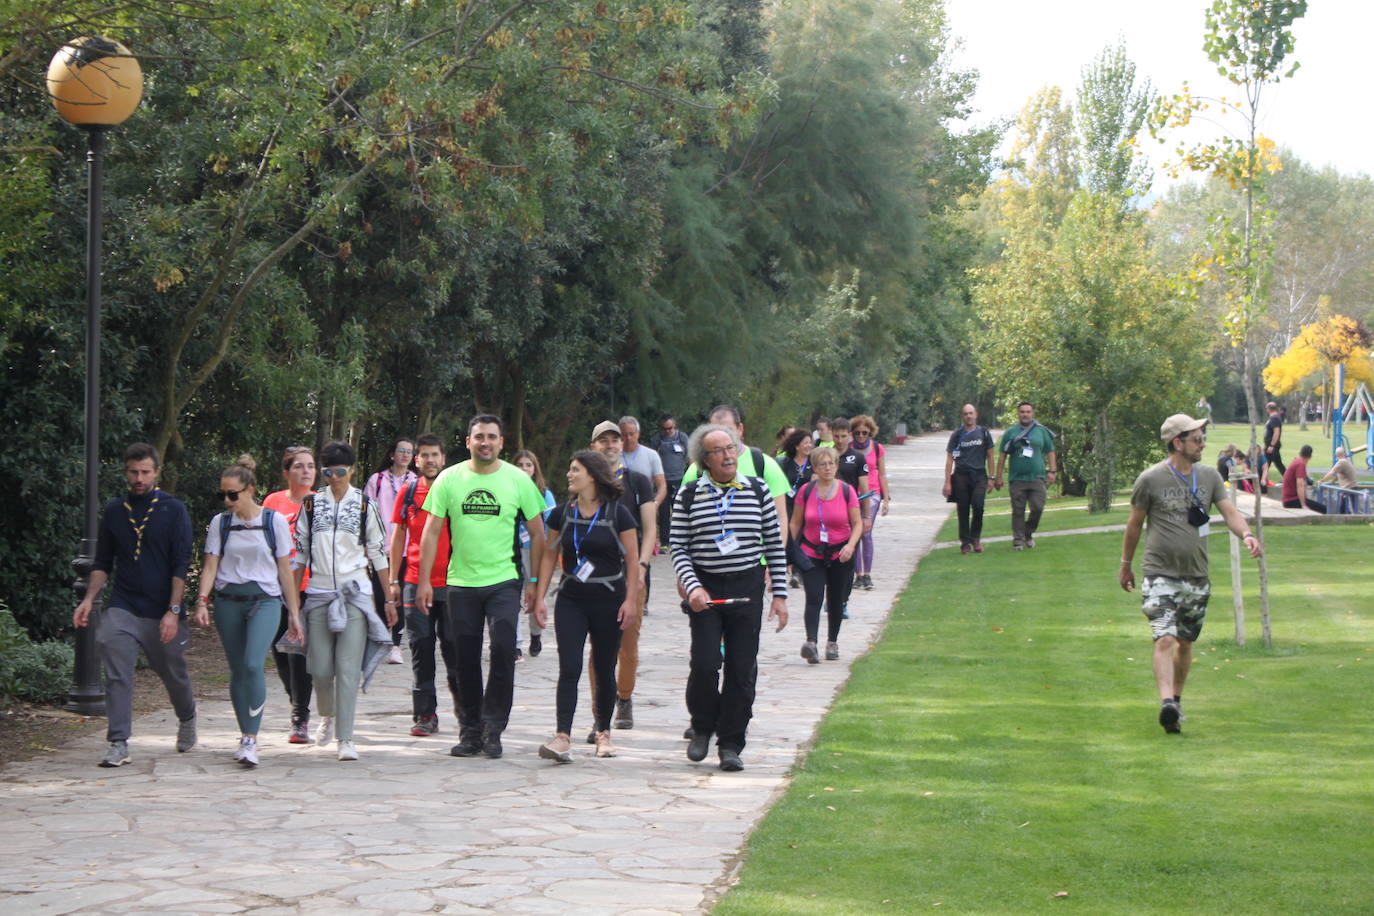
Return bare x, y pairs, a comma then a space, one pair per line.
830, 807
791, 845
927, 793
1062, 894
1240, 676
1026, 824
856, 790
997, 630
829, 788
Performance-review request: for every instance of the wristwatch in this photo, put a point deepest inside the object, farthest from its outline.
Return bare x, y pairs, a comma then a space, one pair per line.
176, 609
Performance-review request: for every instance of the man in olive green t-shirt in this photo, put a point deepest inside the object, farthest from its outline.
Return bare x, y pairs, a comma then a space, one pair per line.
1030, 446
1175, 496
482, 501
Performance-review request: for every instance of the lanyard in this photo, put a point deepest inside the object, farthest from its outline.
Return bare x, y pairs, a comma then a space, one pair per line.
140, 526
577, 541
1192, 490
723, 504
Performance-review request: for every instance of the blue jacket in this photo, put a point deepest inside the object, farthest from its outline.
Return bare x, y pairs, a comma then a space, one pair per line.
143, 586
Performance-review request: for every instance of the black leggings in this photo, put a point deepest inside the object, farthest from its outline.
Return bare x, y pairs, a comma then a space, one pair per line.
295, 679
829, 581
583, 610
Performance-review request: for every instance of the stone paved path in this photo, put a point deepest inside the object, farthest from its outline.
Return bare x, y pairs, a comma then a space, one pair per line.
409, 829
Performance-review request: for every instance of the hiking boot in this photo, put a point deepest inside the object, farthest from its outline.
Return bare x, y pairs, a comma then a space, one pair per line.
729, 759
186, 734
117, 755
324, 732
393, 658
467, 746
698, 746
809, 652
424, 726
792, 582
247, 754
832, 651
965, 548
559, 749
347, 751
604, 748
688, 733
1168, 717
625, 713
536, 645
491, 745
299, 734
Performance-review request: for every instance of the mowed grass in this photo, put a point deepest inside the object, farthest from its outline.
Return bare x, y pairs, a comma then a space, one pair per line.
1221, 435
1000, 747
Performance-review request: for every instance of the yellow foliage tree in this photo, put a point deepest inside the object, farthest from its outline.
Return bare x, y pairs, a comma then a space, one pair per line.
1319, 348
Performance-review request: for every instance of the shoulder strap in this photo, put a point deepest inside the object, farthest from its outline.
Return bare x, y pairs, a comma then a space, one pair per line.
689, 496
408, 506
226, 521
268, 529
308, 510
362, 523
805, 493
757, 454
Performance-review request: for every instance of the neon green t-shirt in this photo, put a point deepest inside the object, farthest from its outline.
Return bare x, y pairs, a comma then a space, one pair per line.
482, 511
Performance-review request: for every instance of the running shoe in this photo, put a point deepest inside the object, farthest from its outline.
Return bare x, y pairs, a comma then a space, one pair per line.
1168, 717
394, 657
832, 651
536, 645
325, 731
965, 548
300, 733
559, 749
604, 748
425, 726
347, 751
117, 755
247, 753
977, 546
186, 734
1030, 543
809, 652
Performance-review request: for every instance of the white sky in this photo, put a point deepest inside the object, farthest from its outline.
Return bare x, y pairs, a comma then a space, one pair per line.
1320, 112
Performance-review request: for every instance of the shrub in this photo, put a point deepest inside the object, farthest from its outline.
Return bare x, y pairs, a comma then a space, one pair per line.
33, 672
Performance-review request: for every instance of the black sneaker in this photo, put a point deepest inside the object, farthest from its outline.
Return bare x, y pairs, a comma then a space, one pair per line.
536, 645
625, 713
467, 746
491, 745
591, 735
688, 733
698, 746
729, 760
1168, 717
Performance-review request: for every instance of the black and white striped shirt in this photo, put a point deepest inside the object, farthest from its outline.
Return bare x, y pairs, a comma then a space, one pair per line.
754, 521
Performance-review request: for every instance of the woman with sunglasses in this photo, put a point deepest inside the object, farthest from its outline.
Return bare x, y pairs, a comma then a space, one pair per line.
864, 429
298, 467
247, 574
345, 637
388, 482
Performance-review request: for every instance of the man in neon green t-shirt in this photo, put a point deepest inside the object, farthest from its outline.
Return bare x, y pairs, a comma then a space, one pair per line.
482, 501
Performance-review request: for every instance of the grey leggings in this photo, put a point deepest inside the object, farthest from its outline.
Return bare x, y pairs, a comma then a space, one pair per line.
336, 660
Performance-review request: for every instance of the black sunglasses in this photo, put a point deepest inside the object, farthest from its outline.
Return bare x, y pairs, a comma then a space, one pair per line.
232, 495
336, 472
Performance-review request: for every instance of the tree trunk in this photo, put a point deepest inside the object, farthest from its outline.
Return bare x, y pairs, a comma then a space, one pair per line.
1104, 465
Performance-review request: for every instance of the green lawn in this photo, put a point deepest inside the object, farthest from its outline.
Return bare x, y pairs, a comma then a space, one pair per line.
999, 746
1068, 513
1221, 435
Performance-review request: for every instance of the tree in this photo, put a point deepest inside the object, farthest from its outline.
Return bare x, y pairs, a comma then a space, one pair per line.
1319, 348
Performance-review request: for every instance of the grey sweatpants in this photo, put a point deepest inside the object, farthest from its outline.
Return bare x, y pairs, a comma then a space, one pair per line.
335, 660
119, 635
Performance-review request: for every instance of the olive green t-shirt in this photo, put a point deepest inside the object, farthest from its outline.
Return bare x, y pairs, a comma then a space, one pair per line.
1172, 546
482, 511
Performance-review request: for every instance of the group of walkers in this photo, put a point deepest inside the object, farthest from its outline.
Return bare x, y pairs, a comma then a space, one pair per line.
328, 577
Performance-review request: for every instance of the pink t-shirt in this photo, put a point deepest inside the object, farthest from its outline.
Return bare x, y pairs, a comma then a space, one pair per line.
833, 512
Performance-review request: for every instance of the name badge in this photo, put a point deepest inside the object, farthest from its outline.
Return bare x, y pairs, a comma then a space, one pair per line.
825, 535
677, 446
955, 453
1027, 452
1204, 529
792, 492
727, 543
583, 572
525, 538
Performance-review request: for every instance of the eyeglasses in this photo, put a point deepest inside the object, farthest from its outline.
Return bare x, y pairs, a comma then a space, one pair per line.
1199, 438
723, 450
232, 495
405, 451
336, 472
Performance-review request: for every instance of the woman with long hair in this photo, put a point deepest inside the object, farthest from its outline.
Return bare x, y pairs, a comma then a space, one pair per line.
599, 543
247, 575
298, 467
865, 430
528, 462
384, 487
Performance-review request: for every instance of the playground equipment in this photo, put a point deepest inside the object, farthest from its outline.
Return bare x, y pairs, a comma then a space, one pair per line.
1348, 412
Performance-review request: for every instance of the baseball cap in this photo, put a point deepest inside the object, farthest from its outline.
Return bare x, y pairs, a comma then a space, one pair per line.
606, 426
1179, 424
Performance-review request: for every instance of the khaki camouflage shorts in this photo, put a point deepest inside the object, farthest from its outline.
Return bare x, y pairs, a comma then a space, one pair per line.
1175, 606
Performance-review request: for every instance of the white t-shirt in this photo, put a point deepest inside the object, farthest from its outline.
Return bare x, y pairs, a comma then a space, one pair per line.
248, 559
644, 460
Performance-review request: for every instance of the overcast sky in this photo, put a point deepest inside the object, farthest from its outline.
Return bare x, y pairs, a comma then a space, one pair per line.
1321, 112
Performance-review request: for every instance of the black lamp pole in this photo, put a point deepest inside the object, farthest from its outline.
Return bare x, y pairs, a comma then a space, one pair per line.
86, 695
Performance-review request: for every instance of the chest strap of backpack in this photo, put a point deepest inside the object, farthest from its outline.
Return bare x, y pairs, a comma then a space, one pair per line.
827, 551
568, 519
226, 525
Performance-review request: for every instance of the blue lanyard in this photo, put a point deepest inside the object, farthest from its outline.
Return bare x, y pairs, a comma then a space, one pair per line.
577, 541
723, 505
1192, 490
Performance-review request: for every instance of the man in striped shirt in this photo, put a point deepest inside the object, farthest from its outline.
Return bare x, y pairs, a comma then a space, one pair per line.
722, 525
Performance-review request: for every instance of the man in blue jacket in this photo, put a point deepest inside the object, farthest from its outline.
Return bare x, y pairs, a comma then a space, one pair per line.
146, 534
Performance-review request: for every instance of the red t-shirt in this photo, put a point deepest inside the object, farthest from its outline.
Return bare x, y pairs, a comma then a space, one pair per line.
1297, 469
415, 527
280, 501
832, 512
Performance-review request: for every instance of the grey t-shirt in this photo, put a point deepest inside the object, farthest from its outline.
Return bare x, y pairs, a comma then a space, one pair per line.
672, 452
1172, 546
644, 461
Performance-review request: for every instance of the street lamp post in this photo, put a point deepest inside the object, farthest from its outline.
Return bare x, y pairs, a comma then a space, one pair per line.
95, 84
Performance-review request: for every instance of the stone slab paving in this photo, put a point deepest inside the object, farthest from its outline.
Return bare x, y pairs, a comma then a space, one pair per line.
409, 829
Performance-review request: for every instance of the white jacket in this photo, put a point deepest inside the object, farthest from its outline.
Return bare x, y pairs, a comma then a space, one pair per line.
331, 542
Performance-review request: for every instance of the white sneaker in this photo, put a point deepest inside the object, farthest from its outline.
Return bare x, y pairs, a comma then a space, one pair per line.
325, 730
347, 751
247, 754
394, 656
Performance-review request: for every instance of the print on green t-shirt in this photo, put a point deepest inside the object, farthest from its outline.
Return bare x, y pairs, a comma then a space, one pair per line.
482, 510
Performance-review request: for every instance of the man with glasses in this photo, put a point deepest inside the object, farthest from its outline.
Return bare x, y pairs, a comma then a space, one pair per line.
1175, 496
146, 534
723, 525
671, 445
1030, 446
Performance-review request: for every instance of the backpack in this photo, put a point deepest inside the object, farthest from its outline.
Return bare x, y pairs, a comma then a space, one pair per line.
802, 495
605, 522
226, 525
